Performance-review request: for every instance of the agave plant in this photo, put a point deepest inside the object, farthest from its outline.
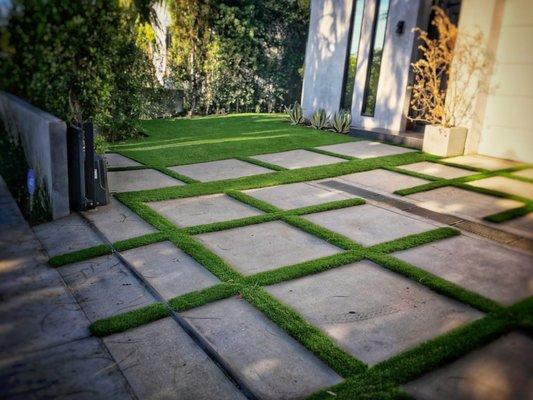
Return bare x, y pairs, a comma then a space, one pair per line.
295, 113
341, 121
320, 119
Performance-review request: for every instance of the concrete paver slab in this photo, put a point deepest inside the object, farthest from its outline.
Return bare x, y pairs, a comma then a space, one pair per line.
169, 270
271, 363
177, 368
452, 200
115, 160
365, 149
38, 318
370, 311
104, 287
483, 162
67, 234
368, 224
506, 185
296, 195
143, 179
262, 247
81, 369
219, 170
382, 179
118, 222
501, 370
202, 210
477, 265
435, 169
524, 224
294, 159
525, 173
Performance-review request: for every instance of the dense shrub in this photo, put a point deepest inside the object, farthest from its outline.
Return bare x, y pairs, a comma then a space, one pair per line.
77, 60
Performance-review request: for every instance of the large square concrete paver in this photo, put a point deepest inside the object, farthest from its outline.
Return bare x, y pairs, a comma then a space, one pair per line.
296, 195
368, 224
169, 270
506, 185
477, 265
219, 170
202, 210
142, 179
365, 149
271, 363
262, 247
501, 370
482, 162
383, 180
115, 160
118, 222
452, 200
438, 170
525, 173
67, 234
80, 369
294, 159
370, 311
160, 361
104, 287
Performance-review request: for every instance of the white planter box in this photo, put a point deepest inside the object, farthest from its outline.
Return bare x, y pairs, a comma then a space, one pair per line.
444, 142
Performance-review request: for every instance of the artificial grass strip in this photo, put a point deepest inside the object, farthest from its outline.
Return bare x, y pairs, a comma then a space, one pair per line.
139, 241
329, 153
263, 164
200, 297
308, 335
252, 201
425, 187
80, 255
273, 179
299, 270
175, 175
334, 238
131, 168
508, 215
332, 205
418, 239
413, 363
216, 265
413, 173
132, 319
434, 282
235, 223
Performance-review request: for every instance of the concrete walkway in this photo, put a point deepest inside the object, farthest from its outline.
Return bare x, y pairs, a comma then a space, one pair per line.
46, 350
228, 348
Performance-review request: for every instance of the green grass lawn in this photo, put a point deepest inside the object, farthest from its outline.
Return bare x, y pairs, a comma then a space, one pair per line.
185, 140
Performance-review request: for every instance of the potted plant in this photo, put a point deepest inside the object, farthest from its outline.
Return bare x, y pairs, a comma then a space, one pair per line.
447, 77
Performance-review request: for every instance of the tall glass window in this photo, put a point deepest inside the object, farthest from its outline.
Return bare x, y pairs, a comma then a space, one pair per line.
351, 56
374, 58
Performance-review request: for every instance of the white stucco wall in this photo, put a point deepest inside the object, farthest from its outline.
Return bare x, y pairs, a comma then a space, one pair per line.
508, 120
502, 125
325, 55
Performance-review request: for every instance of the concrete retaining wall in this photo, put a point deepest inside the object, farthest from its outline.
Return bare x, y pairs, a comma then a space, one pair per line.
44, 139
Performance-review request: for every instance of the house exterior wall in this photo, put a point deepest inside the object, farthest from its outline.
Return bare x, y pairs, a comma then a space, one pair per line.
325, 60
325, 55
392, 96
507, 126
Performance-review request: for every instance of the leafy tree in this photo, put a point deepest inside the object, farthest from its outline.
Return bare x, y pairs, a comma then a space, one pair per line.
78, 60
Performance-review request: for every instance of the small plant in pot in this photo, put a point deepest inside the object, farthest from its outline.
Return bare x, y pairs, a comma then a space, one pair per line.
447, 78
320, 119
